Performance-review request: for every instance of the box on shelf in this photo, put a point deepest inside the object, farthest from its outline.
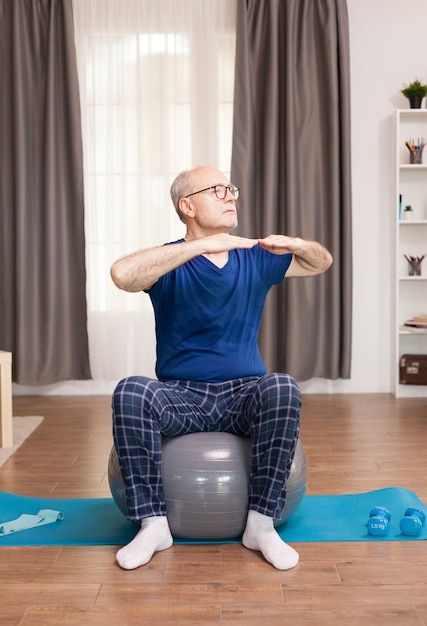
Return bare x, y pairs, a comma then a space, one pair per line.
413, 369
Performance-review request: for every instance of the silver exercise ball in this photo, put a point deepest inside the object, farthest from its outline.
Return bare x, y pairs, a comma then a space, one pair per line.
206, 483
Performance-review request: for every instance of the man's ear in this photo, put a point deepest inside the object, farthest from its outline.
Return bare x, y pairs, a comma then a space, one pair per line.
186, 207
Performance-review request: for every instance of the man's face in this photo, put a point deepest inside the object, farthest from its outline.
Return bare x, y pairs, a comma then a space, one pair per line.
209, 212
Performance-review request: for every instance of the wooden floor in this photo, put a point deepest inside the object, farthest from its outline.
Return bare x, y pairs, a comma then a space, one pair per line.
353, 443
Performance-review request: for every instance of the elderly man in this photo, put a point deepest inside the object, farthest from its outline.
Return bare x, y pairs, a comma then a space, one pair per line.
208, 292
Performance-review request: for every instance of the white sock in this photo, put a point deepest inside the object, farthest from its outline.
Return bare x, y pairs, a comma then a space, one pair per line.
261, 535
153, 536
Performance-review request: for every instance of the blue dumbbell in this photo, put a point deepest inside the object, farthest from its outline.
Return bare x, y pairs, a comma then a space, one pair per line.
411, 525
379, 521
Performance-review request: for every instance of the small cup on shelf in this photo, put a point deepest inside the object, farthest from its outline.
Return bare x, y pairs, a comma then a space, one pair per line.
416, 156
415, 151
414, 268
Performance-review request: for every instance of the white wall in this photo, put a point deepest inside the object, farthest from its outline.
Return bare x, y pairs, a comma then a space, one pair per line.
388, 48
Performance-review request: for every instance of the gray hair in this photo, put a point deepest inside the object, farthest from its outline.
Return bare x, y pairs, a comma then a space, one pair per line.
179, 189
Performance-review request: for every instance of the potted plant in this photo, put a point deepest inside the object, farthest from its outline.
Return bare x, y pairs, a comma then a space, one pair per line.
415, 92
408, 212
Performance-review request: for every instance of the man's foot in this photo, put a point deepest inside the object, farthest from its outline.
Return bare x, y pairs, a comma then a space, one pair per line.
153, 536
261, 535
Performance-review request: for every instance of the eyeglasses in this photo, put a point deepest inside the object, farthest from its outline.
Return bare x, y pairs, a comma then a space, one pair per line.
220, 191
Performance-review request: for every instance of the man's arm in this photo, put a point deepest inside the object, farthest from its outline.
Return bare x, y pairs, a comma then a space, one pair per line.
309, 257
141, 270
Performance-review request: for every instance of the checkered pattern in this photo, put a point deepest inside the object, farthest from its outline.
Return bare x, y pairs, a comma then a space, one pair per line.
266, 409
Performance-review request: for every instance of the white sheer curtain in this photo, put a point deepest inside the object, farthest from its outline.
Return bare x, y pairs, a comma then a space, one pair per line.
156, 83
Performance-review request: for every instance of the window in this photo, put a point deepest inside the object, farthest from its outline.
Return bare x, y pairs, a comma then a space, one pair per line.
156, 83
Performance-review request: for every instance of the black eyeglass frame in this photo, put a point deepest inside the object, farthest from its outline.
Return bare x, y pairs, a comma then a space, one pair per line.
231, 188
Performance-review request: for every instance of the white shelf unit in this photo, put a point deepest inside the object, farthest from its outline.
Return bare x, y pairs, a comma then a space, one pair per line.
410, 239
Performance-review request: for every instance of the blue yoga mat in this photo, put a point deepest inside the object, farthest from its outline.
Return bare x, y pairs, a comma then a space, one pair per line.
99, 521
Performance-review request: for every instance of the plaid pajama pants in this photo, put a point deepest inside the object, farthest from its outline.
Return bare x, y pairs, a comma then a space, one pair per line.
266, 409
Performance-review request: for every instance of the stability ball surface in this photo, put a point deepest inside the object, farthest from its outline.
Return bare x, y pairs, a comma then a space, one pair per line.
206, 483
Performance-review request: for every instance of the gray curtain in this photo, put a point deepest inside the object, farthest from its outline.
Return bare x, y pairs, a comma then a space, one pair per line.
42, 247
291, 160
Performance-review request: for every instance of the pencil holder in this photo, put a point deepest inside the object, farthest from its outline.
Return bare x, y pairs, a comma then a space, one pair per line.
414, 268
415, 150
416, 157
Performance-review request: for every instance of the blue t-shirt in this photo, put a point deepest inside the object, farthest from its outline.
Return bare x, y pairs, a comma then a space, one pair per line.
207, 318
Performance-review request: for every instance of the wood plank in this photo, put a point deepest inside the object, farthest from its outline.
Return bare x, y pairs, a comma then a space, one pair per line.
134, 614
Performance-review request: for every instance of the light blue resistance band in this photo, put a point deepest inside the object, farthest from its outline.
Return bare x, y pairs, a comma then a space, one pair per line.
24, 522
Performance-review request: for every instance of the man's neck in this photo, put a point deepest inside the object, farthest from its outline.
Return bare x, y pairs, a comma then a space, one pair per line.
220, 259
